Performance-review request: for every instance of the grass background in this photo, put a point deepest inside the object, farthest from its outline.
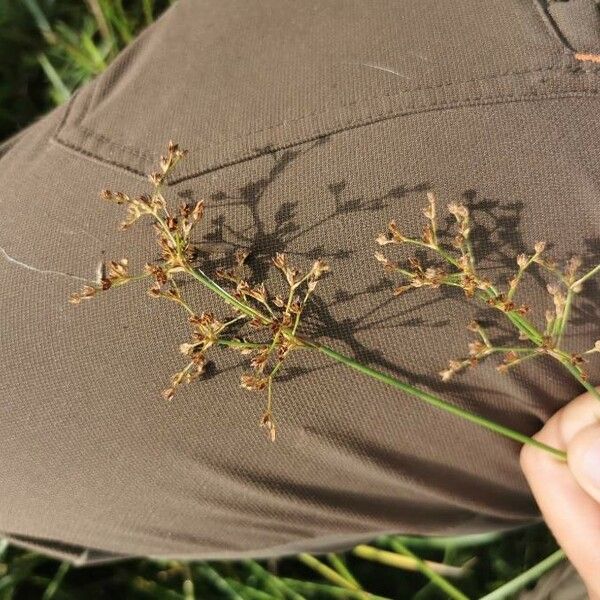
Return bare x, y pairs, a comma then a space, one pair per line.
48, 48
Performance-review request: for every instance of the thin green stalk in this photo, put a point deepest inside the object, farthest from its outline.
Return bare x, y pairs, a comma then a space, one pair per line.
529, 576
586, 384
325, 571
321, 590
443, 542
53, 586
247, 592
435, 578
239, 344
338, 564
200, 276
583, 279
208, 574
402, 562
434, 400
61, 92
565, 316
148, 8
276, 584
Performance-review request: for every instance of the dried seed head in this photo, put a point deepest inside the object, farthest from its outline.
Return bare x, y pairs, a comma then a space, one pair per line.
279, 302
572, 266
429, 211
577, 359
156, 178
522, 261
476, 347
154, 291
253, 383
187, 348
318, 269
395, 233
427, 237
280, 261
259, 361
267, 422
460, 211
168, 394
240, 256
474, 326
401, 289
539, 247
446, 374
86, 293
383, 239
198, 211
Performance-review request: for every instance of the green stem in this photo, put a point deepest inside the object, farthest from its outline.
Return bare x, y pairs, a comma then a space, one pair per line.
326, 572
565, 317
434, 400
583, 279
403, 562
435, 578
586, 384
531, 575
248, 310
338, 564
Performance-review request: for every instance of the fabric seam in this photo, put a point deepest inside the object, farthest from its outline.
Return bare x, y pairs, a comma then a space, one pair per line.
483, 101
396, 113
574, 68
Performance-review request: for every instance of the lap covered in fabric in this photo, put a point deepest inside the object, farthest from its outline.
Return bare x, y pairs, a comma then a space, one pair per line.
309, 126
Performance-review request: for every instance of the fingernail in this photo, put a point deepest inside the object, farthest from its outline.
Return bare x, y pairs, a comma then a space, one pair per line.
590, 462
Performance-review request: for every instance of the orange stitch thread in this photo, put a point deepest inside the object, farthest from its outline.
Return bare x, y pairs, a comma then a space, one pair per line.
588, 57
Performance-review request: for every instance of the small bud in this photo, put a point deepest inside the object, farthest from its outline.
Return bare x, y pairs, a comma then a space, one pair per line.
187, 348
156, 178
382, 239
266, 421
318, 269
446, 374
253, 383
198, 211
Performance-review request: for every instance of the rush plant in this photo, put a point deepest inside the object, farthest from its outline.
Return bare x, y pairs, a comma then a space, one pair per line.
456, 266
267, 327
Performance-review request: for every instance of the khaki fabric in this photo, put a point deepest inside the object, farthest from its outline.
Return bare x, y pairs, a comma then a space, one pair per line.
309, 125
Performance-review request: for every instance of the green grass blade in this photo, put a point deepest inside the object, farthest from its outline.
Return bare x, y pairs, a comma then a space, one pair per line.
148, 9
435, 578
52, 588
61, 92
323, 590
325, 571
40, 20
340, 566
529, 576
209, 575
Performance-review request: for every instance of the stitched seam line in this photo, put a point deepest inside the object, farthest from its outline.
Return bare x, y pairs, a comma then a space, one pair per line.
574, 68
482, 101
472, 102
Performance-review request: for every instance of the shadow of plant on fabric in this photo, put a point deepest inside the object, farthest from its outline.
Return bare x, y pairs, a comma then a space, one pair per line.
266, 326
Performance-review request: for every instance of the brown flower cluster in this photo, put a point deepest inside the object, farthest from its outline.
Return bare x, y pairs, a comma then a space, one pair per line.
262, 325
457, 268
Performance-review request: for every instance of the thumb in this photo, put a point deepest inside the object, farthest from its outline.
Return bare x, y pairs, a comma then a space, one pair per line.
583, 453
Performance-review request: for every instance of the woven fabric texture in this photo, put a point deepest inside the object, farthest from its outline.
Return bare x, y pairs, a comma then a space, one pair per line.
309, 125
